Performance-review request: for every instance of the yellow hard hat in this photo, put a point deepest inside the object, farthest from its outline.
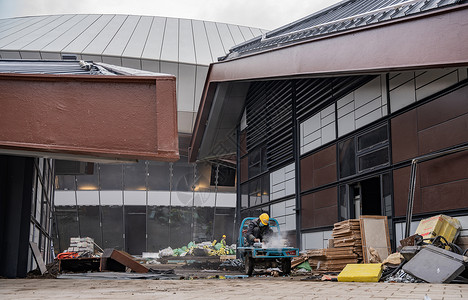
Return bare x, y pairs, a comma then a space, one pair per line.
264, 218
224, 236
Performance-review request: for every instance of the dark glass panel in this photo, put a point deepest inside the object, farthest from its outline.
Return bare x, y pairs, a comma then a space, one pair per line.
135, 176
65, 182
373, 159
158, 176
344, 203
204, 172
203, 224
67, 226
135, 229
254, 162
266, 188
372, 138
158, 228
224, 224
226, 176
110, 176
182, 176
255, 192
88, 182
112, 227
181, 229
90, 223
347, 158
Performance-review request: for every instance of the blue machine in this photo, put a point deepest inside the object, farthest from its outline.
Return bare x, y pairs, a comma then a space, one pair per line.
267, 257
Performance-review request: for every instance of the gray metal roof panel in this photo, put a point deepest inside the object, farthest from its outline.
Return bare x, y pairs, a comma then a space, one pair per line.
54, 34
71, 34
186, 43
170, 45
16, 32
155, 39
342, 16
37, 34
117, 44
87, 34
106, 35
137, 41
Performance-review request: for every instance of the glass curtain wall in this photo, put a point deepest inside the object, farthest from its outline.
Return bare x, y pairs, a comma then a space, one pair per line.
146, 206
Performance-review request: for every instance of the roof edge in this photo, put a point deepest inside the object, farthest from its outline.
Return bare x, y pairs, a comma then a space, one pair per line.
387, 50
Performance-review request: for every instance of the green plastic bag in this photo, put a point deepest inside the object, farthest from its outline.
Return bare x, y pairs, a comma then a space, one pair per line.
218, 246
305, 265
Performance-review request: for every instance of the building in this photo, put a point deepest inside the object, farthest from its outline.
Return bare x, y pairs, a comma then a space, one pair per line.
325, 116
149, 205
73, 111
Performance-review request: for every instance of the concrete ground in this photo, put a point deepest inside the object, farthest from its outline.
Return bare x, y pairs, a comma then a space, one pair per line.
248, 288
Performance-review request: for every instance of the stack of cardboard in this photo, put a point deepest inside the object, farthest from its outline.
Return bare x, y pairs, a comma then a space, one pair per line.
346, 248
81, 245
348, 234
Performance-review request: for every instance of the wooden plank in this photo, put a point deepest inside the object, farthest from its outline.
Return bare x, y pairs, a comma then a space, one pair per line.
38, 257
297, 261
111, 256
374, 234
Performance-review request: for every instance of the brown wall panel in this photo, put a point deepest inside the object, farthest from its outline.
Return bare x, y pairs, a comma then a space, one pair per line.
444, 169
404, 136
307, 173
450, 133
318, 169
444, 108
326, 216
401, 179
319, 209
325, 157
98, 116
307, 211
453, 195
325, 175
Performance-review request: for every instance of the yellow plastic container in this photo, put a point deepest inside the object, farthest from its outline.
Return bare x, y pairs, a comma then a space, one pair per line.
361, 273
443, 225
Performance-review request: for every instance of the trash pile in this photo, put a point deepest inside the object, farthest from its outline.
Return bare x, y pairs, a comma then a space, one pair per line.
201, 249
433, 254
81, 247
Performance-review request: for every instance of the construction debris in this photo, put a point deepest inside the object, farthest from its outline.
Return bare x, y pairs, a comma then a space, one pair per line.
115, 260
347, 248
435, 265
81, 245
361, 273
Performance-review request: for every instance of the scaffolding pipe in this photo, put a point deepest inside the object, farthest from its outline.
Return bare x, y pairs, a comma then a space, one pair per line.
412, 183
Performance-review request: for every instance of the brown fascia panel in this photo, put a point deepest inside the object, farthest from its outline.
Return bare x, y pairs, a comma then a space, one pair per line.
430, 40
115, 117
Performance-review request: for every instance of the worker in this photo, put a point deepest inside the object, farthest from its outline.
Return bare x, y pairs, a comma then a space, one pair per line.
259, 229
223, 241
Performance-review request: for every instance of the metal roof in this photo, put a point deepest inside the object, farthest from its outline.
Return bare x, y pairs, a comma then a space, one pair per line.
340, 17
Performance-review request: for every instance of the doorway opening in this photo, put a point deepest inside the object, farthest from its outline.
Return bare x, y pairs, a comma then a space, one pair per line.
365, 198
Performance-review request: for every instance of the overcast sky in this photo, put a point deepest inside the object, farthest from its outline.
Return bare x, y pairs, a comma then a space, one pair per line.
266, 14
